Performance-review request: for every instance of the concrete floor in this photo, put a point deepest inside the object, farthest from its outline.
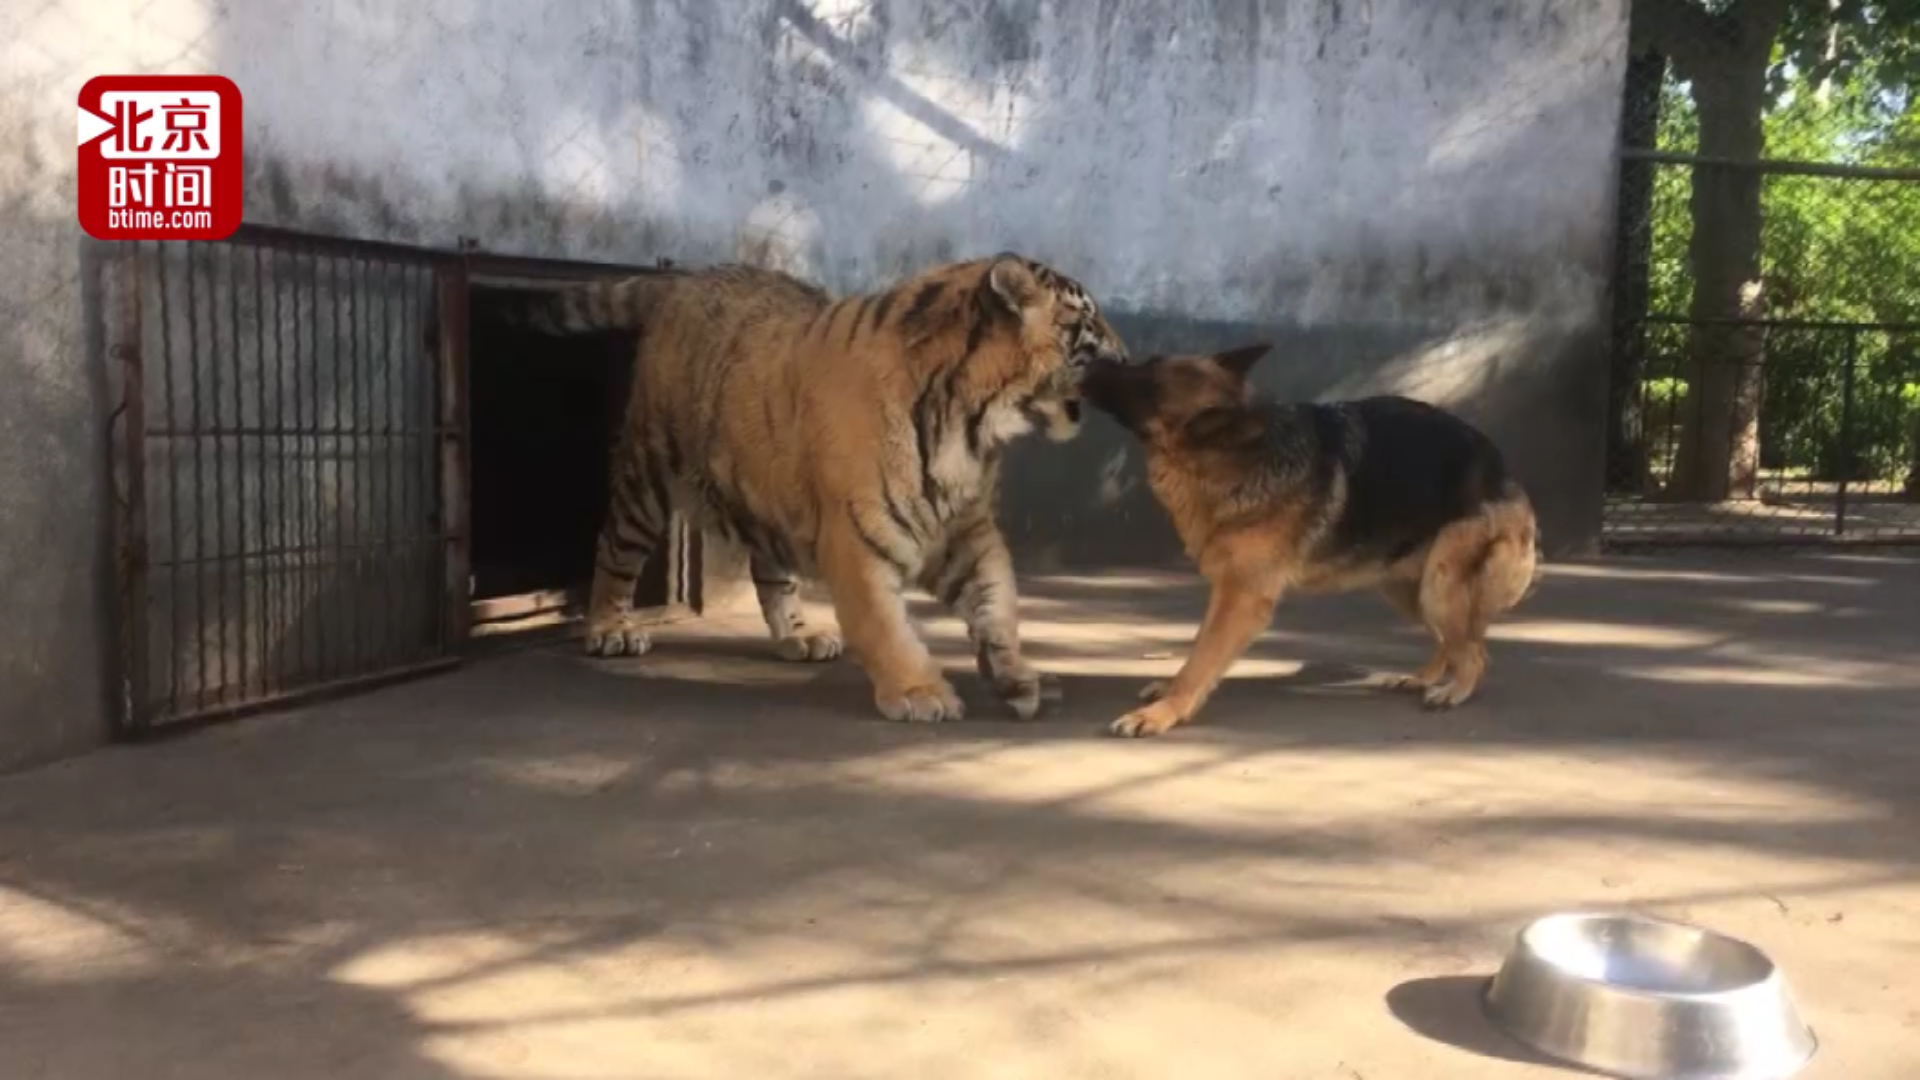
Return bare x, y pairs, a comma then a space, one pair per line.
706, 864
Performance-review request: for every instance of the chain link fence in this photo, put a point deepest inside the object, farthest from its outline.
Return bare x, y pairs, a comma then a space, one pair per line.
1766, 361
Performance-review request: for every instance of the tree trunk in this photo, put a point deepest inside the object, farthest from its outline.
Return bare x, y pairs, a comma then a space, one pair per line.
1912, 485
1639, 127
1719, 452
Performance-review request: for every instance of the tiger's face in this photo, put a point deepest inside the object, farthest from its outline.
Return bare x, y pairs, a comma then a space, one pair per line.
1080, 338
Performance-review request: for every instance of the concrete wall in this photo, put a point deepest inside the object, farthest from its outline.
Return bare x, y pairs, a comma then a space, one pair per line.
1411, 194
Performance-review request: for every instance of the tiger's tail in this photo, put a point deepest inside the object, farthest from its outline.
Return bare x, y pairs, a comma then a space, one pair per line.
617, 304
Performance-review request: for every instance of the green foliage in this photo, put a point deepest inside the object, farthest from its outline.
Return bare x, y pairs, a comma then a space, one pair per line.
1833, 249
1871, 42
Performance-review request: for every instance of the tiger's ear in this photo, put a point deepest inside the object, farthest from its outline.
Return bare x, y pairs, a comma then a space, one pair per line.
1013, 284
1240, 361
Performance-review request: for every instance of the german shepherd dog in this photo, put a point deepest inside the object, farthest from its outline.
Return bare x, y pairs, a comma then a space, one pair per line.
1383, 493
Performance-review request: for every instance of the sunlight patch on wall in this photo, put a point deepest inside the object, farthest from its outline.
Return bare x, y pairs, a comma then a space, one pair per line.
938, 166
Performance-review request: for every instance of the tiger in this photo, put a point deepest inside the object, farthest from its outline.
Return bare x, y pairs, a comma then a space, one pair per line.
856, 442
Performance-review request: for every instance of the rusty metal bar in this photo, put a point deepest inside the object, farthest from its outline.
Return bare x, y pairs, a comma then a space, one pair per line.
302, 481
362, 462
239, 494
265, 622
199, 481
420, 373
137, 678
367, 680
215, 358
265, 432
356, 549
451, 286
389, 589
478, 263
347, 509
174, 659
283, 617
336, 511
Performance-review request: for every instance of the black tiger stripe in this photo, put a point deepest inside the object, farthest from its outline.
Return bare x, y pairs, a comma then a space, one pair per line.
955, 583
633, 528
913, 320
745, 529
675, 463
658, 484
616, 573
881, 307
923, 439
859, 317
983, 318
880, 550
782, 550
896, 512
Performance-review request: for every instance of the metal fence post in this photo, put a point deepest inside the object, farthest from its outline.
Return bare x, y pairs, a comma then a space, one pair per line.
1846, 432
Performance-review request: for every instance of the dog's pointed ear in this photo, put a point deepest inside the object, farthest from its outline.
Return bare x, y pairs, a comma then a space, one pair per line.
1013, 283
1219, 427
1240, 361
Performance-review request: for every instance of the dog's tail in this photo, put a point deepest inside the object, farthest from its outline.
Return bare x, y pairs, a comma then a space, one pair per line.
617, 304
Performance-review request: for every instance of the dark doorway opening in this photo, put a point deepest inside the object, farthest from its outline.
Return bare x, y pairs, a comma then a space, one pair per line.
544, 413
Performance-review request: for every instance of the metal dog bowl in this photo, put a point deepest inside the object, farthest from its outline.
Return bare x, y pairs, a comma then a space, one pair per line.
1648, 1000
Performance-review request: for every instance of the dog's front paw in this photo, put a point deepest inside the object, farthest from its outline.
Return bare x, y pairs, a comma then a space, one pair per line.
929, 704
1155, 719
1446, 695
808, 648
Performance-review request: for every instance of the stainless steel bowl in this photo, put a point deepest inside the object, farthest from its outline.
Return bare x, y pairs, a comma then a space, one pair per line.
1649, 1000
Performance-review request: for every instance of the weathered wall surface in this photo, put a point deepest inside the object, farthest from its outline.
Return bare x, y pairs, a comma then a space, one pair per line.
1403, 194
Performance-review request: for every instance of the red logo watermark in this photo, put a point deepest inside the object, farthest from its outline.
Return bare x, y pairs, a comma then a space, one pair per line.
160, 157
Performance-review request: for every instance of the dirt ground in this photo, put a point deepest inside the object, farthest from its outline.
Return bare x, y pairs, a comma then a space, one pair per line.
709, 864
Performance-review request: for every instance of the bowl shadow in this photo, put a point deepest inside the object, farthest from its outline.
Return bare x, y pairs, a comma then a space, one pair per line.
1451, 1009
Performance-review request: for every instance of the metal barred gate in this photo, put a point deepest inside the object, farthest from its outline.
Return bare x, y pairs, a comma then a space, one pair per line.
290, 465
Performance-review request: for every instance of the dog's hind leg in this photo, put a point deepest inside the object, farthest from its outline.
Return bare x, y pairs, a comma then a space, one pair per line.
1450, 600
1478, 569
1404, 595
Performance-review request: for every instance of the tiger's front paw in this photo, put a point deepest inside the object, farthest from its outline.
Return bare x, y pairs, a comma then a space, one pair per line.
809, 648
1029, 692
617, 637
1024, 688
930, 703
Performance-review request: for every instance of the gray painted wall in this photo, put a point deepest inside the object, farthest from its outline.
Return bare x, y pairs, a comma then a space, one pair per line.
1407, 194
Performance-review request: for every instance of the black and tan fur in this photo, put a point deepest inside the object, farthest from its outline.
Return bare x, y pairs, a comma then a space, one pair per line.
857, 441
1269, 498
